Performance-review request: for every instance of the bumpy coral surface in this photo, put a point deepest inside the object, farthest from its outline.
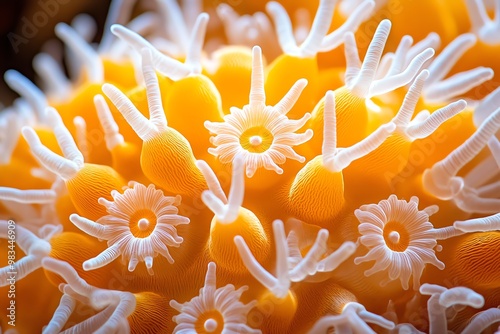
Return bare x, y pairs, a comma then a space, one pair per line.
257, 167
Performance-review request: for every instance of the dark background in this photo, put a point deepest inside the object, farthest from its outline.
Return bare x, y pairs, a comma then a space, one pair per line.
13, 15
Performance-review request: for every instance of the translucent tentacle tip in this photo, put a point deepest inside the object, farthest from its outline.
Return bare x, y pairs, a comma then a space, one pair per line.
484, 224
90, 58
354, 318
166, 65
441, 89
424, 124
469, 199
249, 30
450, 297
28, 91
361, 77
487, 29
34, 196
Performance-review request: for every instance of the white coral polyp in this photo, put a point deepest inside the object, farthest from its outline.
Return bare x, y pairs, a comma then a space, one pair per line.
399, 237
272, 129
113, 306
141, 224
214, 310
262, 134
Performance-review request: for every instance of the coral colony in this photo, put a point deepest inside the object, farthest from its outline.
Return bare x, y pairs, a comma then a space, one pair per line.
338, 171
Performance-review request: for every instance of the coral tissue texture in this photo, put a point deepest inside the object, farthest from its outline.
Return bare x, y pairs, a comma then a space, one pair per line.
256, 167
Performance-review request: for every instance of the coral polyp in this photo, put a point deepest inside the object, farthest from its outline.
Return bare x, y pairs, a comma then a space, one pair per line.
214, 310
262, 134
399, 237
256, 167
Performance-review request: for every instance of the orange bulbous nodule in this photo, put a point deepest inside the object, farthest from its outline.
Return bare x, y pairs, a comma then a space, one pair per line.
152, 314
9, 178
279, 78
278, 313
126, 161
167, 160
330, 79
189, 102
315, 302
473, 261
64, 208
231, 64
386, 159
460, 14
119, 73
406, 16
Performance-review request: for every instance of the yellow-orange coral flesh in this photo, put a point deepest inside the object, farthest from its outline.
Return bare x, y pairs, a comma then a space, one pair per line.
282, 167
261, 134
